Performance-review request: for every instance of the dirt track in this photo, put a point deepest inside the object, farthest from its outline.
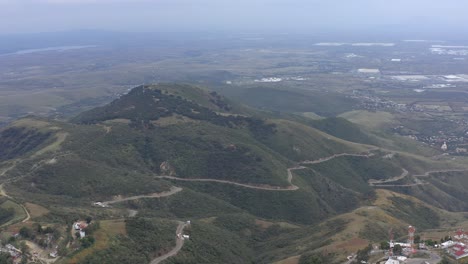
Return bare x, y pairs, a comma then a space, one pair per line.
417, 182
394, 179
176, 249
172, 191
266, 187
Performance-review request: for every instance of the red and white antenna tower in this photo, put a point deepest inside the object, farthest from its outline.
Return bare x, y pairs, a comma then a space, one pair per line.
391, 243
411, 231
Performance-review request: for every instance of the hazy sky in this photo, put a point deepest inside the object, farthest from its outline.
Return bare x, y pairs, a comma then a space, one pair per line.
19, 16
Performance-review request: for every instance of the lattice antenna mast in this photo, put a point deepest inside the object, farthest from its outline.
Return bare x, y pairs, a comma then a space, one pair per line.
411, 231
390, 234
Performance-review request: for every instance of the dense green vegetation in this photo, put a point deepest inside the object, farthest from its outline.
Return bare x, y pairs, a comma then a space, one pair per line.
211, 244
453, 183
6, 214
445, 190
17, 141
187, 204
5, 258
299, 142
329, 192
295, 206
316, 258
80, 178
189, 137
149, 103
354, 172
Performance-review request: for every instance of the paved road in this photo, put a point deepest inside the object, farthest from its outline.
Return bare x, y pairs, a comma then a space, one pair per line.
434, 258
176, 249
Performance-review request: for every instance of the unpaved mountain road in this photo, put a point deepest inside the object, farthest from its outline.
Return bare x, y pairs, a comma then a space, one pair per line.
417, 181
3, 193
266, 187
292, 187
427, 173
172, 191
245, 185
368, 155
373, 182
179, 243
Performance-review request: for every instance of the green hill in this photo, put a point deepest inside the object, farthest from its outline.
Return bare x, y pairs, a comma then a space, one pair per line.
118, 148
231, 163
326, 104
344, 129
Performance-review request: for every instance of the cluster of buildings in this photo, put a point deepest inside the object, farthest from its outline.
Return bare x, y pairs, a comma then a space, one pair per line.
10, 249
458, 247
409, 247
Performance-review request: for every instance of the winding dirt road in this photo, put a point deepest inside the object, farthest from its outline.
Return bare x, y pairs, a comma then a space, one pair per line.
3, 193
172, 191
368, 155
427, 173
266, 187
292, 187
373, 182
179, 243
417, 181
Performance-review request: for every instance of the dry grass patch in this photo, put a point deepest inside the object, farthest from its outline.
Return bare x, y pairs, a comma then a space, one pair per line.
173, 120
208, 220
353, 244
266, 224
263, 224
28, 122
290, 260
373, 120
59, 139
36, 210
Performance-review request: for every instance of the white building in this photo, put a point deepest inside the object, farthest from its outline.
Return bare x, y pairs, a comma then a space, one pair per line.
392, 261
402, 258
444, 146
447, 244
